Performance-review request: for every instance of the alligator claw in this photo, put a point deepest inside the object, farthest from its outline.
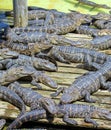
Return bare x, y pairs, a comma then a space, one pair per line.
36, 84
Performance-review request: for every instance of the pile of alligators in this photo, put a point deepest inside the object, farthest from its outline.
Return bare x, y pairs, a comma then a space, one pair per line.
27, 52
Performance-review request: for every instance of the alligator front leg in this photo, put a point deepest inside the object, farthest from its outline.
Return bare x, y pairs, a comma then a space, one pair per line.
104, 84
87, 97
89, 120
88, 62
41, 77
33, 82
59, 90
67, 119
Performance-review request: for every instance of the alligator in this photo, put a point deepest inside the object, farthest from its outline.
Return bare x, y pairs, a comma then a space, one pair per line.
5, 53
40, 37
89, 83
40, 14
2, 123
94, 32
100, 43
27, 49
56, 13
66, 111
39, 63
100, 23
71, 54
62, 27
10, 96
33, 99
93, 4
27, 72
101, 16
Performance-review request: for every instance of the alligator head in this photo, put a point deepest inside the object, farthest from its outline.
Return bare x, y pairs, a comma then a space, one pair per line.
21, 71
44, 64
5, 53
45, 79
102, 114
69, 96
49, 105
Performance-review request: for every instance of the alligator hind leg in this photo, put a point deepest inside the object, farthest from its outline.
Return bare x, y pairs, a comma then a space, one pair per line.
67, 119
87, 97
89, 120
104, 84
33, 82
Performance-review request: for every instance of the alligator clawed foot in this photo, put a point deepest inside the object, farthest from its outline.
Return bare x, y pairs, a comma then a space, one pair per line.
36, 84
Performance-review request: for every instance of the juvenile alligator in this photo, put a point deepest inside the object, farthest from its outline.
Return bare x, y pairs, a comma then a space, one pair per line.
68, 54
5, 53
27, 49
15, 73
84, 29
66, 111
2, 123
93, 4
10, 96
33, 99
100, 24
59, 28
40, 14
101, 43
39, 38
101, 16
87, 84
44, 63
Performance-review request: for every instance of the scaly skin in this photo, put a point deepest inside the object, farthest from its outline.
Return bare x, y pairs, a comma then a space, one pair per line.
18, 47
101, 16
71, 54
17, 72
39, 38
84, 29
33, 99
2, 123
87, 84
66, 111
36, 62
14, 74
100, 24
5, 53
27, 49
101, 43
10, 96
59, 28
